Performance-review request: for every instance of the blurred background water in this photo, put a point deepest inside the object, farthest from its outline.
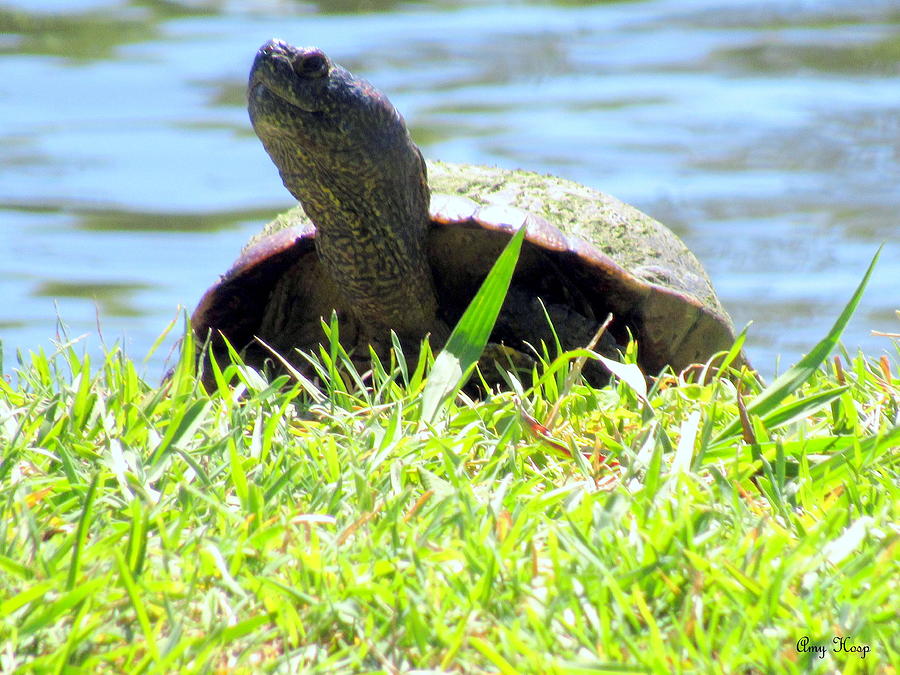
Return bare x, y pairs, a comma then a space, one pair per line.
765, 133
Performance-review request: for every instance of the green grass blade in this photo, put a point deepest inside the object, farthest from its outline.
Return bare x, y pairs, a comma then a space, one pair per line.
802, 407
183, 374
838, 466
467, 341
168, 329
137, 602
15, 602
795, 376
137, 538
245, 628
52, 607
238, 477
81, 533
491, 654
184, 424
629, 373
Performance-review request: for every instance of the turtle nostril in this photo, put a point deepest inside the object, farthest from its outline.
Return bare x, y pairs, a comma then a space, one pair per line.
273, 46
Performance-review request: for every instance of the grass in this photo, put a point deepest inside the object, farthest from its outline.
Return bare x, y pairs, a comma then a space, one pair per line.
287, 526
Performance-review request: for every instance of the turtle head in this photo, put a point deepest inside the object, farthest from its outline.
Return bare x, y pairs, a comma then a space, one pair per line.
318, 122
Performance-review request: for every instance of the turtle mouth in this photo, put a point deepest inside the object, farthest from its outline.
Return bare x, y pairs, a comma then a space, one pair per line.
276, 115
262, 96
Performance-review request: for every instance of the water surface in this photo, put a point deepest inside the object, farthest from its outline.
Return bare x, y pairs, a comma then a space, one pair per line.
766, 134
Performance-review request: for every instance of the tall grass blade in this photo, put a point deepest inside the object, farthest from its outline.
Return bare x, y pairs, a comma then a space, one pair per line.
801, 408
135, 594
794, 377
165, 333
81, 533
183, 379
304, 381
466, 343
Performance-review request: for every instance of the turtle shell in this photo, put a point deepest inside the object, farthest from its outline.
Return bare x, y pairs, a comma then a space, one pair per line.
583, 249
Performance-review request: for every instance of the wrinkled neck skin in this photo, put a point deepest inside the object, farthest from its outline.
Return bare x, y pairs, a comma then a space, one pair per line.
372, 225
362, 181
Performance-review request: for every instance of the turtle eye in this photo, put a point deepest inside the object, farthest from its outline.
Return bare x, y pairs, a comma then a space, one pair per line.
310, 64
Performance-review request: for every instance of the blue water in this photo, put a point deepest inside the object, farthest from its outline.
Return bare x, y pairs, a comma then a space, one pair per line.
766, 134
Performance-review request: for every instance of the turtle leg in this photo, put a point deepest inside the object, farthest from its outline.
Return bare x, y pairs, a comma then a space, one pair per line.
522, 322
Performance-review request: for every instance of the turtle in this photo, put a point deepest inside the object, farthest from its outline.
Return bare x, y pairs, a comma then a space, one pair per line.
394, 243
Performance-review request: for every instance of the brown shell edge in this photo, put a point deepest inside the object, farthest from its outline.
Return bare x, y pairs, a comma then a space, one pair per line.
233, 301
